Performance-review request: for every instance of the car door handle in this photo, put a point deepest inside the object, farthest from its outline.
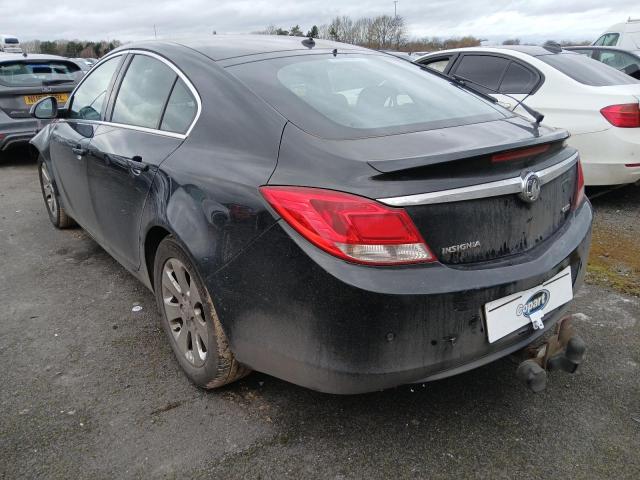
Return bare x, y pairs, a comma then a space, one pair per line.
137, 165
78, 150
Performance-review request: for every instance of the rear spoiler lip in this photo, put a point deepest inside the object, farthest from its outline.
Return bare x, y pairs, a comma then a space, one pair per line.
492, 189
397, 165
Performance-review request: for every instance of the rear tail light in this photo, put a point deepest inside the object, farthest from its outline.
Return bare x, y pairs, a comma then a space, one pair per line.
353, 228
624, 116
520, 153
579, 195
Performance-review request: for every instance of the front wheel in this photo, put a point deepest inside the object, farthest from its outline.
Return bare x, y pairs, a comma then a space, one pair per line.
190, 321
57, 213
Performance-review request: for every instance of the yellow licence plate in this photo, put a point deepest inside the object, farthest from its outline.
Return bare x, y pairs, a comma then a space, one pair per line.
60, 97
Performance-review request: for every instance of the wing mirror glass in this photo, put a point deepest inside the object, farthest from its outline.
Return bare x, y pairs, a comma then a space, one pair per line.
45, 109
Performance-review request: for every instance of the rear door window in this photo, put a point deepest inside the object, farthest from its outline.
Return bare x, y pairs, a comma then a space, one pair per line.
143, 93
439, 64
483, 70
181, 109
518, 80
617, 60
586, 70
90, 99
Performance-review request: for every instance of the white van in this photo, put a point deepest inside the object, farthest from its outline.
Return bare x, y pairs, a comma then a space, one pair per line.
622, 35
10, 44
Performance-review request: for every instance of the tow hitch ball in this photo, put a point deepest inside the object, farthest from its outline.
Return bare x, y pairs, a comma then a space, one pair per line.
563, 351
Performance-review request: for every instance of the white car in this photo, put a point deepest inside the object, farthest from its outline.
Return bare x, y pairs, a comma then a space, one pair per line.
9, 44
622, 35
597, 104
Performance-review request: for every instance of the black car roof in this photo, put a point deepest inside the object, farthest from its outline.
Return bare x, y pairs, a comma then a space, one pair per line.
533, 50
598, 47
222, 47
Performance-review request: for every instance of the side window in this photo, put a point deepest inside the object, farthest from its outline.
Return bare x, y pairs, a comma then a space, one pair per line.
518, 80
617, 60
608, 40
439, 64
483, 70
143, 92
181, 109
90, 100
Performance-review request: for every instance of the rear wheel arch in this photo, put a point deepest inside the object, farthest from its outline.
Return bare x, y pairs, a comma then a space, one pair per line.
152, 240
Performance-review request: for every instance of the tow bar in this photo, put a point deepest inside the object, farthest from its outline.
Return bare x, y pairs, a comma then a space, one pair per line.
563, 351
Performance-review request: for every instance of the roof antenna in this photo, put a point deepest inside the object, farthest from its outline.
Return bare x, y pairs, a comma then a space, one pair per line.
309, 42
335, 52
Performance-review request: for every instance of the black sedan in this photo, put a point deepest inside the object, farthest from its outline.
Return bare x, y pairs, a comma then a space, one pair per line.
330, 215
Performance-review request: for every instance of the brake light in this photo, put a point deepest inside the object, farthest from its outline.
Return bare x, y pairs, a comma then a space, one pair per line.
520, 153
624, 116
579, 196
350, 227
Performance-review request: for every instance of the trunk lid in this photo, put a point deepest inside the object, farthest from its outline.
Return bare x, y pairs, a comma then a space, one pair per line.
458, 230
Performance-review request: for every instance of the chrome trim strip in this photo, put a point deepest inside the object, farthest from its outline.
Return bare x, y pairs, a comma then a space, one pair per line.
483, 190
154, 131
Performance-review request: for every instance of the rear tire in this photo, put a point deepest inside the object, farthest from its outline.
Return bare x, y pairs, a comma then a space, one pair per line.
190, 321
56, 212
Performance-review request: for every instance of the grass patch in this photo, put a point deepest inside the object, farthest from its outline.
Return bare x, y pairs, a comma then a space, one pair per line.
614, 260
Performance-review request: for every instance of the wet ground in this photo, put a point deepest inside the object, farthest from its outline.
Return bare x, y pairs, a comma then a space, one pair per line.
90, 389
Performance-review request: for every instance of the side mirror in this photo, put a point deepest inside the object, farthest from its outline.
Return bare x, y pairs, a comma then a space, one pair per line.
45, 109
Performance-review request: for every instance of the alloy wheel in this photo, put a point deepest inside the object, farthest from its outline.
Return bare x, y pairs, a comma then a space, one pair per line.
48, 191
184, 312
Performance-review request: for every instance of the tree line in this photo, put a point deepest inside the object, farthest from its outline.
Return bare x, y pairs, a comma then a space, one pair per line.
71, 48
383, 32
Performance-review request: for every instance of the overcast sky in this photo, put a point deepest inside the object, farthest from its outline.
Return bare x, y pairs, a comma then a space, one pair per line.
533, 20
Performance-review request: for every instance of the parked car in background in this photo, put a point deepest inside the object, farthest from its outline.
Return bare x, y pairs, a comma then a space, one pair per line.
623, 35
25, 79
10, 44
321, 212
597, 104
623, 60
85, 64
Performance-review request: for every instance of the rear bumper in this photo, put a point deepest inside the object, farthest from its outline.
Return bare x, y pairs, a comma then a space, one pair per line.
605, 154
16, 131
294, 312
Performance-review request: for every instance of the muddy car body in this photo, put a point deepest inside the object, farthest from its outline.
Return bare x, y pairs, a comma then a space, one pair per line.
319, 226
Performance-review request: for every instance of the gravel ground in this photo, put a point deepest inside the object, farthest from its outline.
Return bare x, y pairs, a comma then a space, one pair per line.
90, 388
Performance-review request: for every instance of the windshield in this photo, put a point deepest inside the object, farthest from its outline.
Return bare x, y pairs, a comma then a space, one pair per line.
586, 70
12, 41
37, 73
351, 96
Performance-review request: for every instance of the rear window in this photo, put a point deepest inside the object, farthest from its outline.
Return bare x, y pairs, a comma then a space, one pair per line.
37, 73
586, 70
356, 95
11, 41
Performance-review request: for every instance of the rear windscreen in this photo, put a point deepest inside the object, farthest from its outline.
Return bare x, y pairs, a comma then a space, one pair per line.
37, 73
586, 70
12, 41
356, 95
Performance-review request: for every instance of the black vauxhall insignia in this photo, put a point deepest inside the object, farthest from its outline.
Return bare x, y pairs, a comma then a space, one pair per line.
327, 214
